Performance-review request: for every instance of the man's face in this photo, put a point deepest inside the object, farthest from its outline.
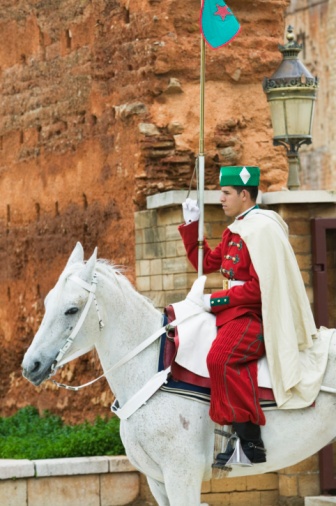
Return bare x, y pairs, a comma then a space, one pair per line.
233, 203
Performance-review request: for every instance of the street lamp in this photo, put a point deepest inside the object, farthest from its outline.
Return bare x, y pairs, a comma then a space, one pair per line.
291, 92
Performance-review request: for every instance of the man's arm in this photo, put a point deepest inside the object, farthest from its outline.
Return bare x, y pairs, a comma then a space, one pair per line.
212, 259
247, 294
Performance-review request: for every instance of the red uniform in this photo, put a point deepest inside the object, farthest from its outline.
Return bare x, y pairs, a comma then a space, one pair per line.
232, 360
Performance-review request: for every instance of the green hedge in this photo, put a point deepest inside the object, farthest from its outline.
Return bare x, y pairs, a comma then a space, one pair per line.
27, 435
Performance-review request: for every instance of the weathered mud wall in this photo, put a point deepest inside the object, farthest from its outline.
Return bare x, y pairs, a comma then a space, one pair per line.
99, 108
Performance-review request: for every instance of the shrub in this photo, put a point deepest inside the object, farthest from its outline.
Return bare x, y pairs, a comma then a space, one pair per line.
27, 435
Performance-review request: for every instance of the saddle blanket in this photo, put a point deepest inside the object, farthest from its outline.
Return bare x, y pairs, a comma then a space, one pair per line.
185, 348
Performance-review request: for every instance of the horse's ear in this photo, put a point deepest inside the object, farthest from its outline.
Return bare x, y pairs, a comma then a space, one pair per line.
77, 255
87, 273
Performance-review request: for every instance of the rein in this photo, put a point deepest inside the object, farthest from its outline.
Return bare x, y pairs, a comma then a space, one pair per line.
138, 349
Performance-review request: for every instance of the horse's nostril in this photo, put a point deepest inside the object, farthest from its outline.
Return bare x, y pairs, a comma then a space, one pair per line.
36, 367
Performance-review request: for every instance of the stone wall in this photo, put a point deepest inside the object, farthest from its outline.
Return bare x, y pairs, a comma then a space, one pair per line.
113, 481
100, 108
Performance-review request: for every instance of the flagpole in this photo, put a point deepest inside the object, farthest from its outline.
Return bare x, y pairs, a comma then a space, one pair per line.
201, 163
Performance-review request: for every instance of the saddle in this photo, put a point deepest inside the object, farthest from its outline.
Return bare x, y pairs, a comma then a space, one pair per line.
186, 346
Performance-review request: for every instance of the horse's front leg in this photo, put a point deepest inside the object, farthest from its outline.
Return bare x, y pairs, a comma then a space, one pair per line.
184, 486
158, 490
178, 490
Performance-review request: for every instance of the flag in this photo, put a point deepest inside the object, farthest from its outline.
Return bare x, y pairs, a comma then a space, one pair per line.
218, 24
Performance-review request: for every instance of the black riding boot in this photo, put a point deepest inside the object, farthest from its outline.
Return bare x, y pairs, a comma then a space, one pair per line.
252, 444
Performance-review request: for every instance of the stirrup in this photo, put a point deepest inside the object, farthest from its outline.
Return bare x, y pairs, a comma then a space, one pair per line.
238, 457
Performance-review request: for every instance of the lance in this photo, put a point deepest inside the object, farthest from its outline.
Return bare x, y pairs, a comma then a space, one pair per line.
218, 27
201, 163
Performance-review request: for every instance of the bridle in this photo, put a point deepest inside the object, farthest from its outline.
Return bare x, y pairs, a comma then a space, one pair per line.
91, 288
149, 388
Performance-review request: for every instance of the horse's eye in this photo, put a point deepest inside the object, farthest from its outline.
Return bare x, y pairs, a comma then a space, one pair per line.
72, 310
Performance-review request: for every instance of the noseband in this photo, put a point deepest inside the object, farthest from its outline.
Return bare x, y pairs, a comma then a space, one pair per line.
92, 297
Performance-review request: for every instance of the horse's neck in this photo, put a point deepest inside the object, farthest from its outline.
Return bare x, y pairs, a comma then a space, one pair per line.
130, 319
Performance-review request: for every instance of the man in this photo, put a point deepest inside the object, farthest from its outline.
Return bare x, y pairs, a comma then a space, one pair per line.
255, 283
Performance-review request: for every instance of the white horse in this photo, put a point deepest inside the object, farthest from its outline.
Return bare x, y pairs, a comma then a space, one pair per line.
170, 439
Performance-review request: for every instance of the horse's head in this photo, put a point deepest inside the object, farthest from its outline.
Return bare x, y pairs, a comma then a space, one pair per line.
62, 328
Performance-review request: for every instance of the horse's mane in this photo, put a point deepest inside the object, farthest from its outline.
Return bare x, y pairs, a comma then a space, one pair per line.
106, 269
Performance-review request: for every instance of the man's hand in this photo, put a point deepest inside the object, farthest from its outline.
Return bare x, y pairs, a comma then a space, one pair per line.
196, 295
191, 211
202, 300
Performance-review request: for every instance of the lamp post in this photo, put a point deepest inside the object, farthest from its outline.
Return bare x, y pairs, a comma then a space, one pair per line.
291, 93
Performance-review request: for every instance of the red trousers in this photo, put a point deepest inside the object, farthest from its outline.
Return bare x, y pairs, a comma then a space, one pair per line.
232, 364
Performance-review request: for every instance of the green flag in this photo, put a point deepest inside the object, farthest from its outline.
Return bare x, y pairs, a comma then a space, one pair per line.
218, 24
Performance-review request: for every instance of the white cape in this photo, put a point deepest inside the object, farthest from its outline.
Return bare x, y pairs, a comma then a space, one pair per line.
297, 359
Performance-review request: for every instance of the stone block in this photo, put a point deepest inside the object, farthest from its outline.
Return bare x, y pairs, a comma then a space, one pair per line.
299, 210
300, 243
298, 226
143, 267
154, 250
217, 230
143, 284
171, 249
155, 266
148, 129
180, 281
145, 219
319, 501
206, 487
139, 236
119, 489
304, 261
69, 491
268, 481
170, 216
156, 282
172, 234
310, 294
306, 466
175, 265
215, 213
157, 298
10, 468
174, 296
245, 498
13, 493
214, 281
168, 281
288, 485
217, 499
307, 277
119, 464
180, 250
229, 485
139, 252
269, 497
152, 235
71, 466
309, 484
